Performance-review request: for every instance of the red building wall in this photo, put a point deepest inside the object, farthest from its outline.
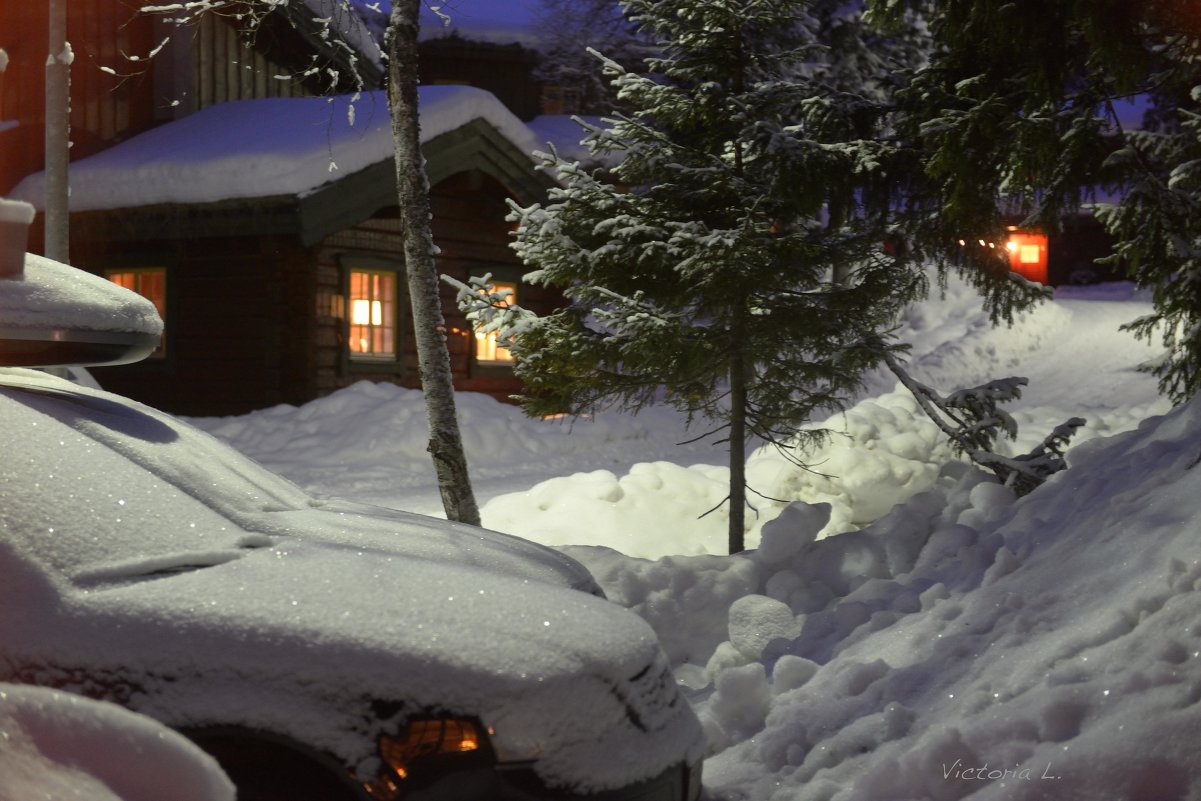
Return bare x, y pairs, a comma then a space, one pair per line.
105, 107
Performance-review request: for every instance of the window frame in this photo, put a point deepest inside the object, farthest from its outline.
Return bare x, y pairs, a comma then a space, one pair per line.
353, 361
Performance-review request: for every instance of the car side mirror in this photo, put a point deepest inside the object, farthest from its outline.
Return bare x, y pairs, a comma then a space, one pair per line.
53, 315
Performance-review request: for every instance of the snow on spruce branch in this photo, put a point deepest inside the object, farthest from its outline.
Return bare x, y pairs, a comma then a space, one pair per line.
973, 422
491, 310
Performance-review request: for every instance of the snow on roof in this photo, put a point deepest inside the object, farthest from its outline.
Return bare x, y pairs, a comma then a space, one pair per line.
51, 295
265, 147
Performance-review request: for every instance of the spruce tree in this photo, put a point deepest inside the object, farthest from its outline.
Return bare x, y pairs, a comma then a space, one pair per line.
1015, 118
700, 270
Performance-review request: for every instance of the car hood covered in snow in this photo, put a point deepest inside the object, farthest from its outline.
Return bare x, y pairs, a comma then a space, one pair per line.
197, 587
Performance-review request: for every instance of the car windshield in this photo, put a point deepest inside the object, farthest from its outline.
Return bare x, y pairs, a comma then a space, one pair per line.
90, 482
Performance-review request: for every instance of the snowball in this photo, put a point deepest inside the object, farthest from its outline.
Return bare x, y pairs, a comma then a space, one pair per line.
756, 620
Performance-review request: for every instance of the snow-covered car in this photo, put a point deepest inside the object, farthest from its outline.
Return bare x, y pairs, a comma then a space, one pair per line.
318, 649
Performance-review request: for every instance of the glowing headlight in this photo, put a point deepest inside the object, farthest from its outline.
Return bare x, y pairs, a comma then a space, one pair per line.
431, 748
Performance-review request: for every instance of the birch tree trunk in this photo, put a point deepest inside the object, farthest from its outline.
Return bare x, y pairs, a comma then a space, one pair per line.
433, 357
58, 122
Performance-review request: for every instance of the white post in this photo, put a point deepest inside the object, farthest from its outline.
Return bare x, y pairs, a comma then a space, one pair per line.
15, 218
58, 133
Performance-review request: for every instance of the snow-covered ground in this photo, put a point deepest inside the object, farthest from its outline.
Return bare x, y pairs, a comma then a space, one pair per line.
956, 643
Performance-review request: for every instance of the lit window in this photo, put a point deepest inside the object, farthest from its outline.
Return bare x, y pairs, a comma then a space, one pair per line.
1028, 253
487, 349
372, 305
150, 283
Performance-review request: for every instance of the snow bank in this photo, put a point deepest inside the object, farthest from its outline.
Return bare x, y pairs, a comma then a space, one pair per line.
265, 147
968, 644
63, 747
965, 643
368, 441
622, 482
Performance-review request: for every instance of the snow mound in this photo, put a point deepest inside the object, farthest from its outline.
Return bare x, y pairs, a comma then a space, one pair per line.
369, 439
966, 642
63, 747
880, 453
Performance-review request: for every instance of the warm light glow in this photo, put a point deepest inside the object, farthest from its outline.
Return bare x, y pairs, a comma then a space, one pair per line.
360, 312
372, 299
1028, 254
150, 283
487, 348
423, 739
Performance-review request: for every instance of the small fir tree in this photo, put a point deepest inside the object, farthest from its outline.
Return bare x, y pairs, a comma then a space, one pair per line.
700, 272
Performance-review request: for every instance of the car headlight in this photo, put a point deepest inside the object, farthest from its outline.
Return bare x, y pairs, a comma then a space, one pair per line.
435, 751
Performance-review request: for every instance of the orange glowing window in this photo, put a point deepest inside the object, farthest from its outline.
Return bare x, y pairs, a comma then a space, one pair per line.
1028, 254
487, 348
150, 283
372, 307
423, 740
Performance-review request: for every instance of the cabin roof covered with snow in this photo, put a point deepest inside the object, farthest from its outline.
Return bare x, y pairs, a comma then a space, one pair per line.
315, 164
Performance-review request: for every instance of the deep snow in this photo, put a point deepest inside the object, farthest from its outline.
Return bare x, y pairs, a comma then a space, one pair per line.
963, 643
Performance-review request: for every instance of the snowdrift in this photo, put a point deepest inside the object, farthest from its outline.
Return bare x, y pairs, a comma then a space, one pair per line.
963, 645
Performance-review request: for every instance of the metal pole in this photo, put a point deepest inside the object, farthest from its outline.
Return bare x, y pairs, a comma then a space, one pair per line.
58, 133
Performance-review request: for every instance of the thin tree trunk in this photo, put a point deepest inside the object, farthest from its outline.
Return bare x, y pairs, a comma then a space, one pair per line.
737, 444
837, 217
58, 125
433, 358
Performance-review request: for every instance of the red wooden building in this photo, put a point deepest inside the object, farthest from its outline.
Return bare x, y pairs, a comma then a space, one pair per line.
278, 295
